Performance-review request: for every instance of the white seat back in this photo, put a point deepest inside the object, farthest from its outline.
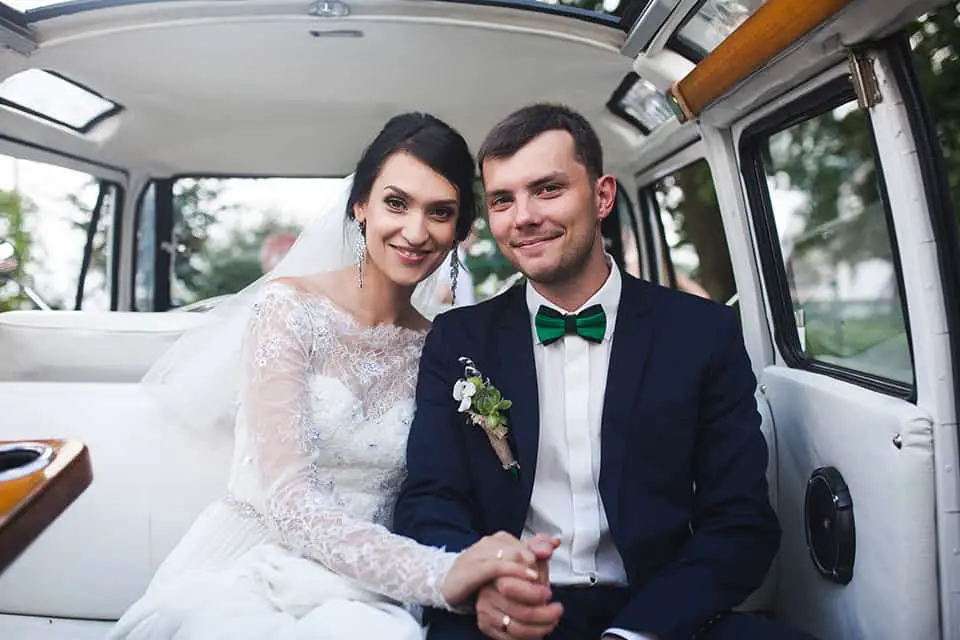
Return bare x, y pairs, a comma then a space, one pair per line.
86, 346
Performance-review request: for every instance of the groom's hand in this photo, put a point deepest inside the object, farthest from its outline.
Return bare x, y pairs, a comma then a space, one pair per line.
514, 609
523, 605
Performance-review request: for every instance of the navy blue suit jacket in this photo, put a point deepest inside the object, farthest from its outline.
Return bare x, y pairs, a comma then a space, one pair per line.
683, 459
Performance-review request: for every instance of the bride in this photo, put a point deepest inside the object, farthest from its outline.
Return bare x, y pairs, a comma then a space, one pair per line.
315, 366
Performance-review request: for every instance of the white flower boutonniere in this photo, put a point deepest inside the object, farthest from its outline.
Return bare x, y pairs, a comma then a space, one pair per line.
483, 403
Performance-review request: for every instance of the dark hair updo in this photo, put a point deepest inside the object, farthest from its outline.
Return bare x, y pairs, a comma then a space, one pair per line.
432, 142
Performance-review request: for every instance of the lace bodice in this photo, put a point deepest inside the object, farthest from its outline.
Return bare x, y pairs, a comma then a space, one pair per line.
325, 407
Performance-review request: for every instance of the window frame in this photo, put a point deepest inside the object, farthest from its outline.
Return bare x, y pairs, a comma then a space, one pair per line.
654, 228
135, 246
681, 45
111, 177
811, 104
634, 228
115, 244
84, 129
623, 19
650, 251
613, 104
102, 172
685, 47
936, 188
614, 226
666, 251
611, 229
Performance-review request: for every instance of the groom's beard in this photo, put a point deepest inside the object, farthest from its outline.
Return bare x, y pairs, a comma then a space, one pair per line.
573, 261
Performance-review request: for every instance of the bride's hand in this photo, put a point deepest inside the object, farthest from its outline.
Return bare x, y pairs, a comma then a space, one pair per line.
493, 557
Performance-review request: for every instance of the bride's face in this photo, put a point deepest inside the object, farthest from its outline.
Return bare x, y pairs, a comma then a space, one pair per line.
411, 218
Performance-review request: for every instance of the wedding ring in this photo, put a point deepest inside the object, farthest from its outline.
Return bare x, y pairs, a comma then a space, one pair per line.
505, 623
499, 554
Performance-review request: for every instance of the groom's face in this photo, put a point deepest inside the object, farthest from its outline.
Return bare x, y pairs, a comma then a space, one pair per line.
544, 208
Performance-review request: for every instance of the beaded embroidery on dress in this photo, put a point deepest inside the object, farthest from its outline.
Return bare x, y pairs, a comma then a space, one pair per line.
302, 538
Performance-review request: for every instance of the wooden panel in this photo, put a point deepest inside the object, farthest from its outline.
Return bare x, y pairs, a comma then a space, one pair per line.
30, 503
771, 29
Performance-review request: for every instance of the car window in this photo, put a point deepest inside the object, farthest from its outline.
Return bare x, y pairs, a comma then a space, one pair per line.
226, 232
687, 217
838, 262
46, 211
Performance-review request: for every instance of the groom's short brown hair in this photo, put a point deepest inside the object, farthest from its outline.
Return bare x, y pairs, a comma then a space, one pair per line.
519, 128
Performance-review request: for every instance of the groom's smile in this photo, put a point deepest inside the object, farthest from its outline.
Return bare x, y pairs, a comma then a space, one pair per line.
537, 243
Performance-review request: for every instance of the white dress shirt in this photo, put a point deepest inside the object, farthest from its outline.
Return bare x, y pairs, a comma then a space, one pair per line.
566, 504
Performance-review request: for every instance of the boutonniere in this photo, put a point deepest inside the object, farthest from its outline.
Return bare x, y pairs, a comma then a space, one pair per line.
483, 403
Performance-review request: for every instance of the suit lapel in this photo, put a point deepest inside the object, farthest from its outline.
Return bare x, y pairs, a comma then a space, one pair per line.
628, 354
517, 374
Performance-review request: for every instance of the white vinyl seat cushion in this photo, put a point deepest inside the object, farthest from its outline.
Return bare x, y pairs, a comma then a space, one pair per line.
151, 478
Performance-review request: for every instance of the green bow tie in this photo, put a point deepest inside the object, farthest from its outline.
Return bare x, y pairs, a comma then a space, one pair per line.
590, 324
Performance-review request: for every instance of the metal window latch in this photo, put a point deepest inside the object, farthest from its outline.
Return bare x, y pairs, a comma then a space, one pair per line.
800, 317
863, 75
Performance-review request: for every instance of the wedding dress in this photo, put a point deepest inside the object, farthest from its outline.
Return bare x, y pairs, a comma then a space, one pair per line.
300, 547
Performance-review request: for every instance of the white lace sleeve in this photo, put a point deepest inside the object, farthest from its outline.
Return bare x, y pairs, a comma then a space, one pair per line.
305, 511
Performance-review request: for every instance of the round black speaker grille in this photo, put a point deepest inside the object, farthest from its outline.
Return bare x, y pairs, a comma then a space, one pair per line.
828, 518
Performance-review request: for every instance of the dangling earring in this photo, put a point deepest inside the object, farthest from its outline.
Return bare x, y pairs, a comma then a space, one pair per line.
454, 272
360, 248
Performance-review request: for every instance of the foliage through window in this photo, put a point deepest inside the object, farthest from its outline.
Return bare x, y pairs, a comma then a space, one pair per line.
488, 268
840, 265
46, 211
935, 43
227, 232
694, 235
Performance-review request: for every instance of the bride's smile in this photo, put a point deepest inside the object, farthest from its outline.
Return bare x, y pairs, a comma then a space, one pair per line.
413, 257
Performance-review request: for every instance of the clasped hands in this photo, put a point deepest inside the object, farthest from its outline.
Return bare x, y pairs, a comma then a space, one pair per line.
511, 583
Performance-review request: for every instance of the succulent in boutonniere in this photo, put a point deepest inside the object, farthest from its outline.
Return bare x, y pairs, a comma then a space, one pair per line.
484, 405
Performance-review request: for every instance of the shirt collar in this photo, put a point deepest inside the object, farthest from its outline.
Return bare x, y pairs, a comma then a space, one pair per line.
608, 296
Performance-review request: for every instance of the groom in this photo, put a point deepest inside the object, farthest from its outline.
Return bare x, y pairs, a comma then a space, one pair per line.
633, 422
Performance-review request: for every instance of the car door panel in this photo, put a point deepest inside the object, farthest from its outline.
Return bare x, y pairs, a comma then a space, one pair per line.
823, 422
